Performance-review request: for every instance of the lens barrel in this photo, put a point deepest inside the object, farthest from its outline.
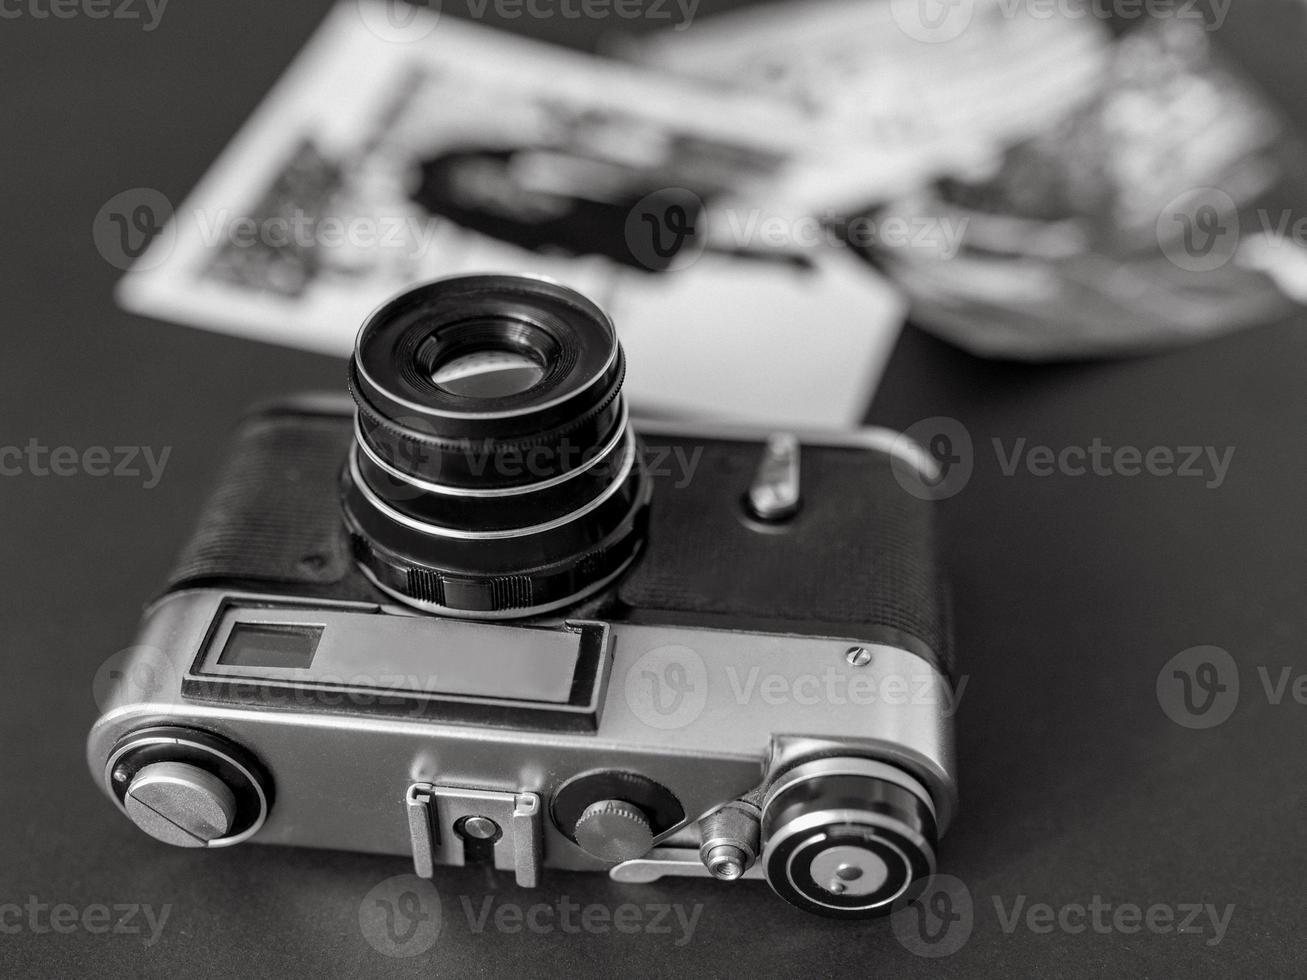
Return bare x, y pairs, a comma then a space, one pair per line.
494, 472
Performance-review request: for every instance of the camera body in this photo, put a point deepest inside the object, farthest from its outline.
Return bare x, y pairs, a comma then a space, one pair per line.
752, 682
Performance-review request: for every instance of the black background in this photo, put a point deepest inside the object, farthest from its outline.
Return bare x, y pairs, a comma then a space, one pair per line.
1071, 592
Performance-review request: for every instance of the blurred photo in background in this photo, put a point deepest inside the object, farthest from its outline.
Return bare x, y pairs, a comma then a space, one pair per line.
761, 202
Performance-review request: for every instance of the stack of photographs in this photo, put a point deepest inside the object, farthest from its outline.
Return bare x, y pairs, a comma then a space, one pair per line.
758, 203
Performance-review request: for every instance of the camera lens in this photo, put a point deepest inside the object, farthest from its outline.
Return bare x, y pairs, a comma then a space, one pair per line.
847, 837
493, 472
488, 373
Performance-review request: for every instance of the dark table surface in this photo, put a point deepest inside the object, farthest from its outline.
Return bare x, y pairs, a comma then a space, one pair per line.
1078, 790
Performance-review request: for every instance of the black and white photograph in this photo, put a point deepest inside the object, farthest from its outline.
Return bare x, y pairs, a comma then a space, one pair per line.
653, 488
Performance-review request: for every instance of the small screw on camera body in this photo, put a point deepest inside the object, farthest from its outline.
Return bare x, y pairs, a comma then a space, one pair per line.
857, 656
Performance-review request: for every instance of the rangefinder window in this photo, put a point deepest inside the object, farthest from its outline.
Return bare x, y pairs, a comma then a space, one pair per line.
271, 645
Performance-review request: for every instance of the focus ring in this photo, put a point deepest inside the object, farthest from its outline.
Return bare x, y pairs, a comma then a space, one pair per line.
527, 592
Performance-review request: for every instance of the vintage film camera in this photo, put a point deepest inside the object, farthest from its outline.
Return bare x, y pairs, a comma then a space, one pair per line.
475, 616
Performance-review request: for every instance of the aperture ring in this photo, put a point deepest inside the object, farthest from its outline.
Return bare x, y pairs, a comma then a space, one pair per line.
479, 463
620, 435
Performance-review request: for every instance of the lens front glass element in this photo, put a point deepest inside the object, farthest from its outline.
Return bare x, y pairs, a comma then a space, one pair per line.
487, 357
488, 373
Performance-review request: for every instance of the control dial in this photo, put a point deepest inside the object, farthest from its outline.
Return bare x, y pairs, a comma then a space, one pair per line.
847, 837
615, 815
613, 830
180, 804
188, 788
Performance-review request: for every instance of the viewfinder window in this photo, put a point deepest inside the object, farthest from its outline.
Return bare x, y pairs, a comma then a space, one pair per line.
271, 645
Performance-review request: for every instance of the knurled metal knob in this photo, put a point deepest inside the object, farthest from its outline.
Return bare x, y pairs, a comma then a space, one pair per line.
613, 830
180, 804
